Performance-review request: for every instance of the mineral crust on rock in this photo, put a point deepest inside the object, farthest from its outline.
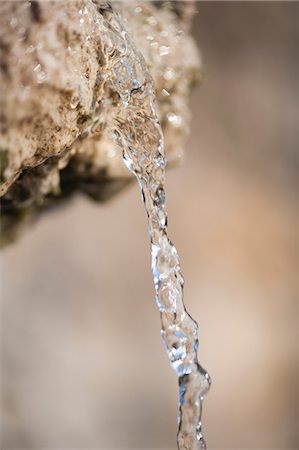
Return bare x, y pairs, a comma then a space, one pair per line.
58, 107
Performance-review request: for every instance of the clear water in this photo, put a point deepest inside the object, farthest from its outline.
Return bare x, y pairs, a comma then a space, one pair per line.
138, 132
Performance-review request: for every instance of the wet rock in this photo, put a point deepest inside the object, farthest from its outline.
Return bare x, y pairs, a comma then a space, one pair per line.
58, 107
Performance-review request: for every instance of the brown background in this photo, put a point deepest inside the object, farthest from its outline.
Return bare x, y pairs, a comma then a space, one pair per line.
83, 364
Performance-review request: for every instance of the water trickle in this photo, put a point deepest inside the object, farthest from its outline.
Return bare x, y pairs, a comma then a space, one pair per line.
138, 132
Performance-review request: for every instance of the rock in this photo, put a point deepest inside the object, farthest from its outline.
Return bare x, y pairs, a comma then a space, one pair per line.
58, 107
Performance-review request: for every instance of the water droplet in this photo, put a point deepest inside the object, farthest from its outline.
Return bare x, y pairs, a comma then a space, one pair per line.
37, 68
159, 198
165, 93
164, 50
41, 76
168, 74
74, 102
152, 21
174, 119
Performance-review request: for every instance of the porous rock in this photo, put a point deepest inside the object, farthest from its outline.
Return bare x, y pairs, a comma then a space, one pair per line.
56, 126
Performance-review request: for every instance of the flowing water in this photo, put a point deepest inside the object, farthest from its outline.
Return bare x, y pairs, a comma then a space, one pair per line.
138, 132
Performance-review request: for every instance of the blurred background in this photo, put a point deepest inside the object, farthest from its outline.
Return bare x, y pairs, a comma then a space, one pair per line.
83, 365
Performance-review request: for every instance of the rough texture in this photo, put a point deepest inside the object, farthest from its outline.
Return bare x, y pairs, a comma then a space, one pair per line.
57, 106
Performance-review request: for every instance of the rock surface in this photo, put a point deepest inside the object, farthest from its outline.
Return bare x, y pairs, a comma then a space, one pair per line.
58, 107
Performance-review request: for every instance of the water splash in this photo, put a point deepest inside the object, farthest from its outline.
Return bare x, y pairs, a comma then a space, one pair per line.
138, 132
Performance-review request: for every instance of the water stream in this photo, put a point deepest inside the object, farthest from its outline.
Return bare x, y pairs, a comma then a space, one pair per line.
138, 132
